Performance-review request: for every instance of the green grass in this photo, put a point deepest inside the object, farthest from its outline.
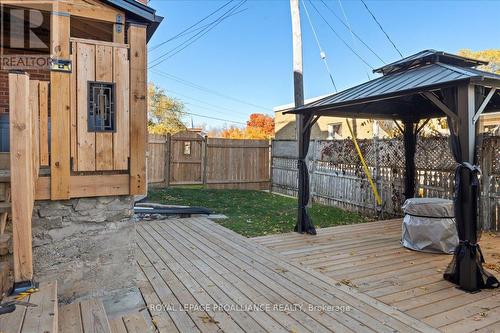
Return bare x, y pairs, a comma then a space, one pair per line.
252, 213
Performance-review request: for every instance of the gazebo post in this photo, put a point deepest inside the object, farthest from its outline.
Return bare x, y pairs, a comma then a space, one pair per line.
410, 144
466, 134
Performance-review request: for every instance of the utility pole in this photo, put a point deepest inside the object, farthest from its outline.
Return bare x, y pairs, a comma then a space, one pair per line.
298, 89
298, 82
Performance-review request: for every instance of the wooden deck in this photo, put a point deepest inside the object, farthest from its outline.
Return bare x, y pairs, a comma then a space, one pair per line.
197, 276
370, 258
40, 318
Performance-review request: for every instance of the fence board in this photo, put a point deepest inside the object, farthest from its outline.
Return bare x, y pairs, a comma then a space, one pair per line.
241, 164
104, 141
86, 140
156, 158
121, 142
44, 123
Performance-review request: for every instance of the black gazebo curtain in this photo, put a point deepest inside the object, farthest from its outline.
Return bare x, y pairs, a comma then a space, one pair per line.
410, 144
466, 268
304, 221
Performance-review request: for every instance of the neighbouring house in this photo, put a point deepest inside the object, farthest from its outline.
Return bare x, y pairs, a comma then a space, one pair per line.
490, 123
326, 128
78, 135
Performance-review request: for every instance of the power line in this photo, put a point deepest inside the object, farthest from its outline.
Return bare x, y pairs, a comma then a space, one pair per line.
321, 53
183, 32
197, 36
215, 118
348, 26
214, 106
338, 36
350, 30
380, 26
198, 29
207, 90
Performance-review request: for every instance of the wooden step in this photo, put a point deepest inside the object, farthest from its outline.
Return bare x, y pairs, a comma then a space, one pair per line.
5, 240
5, 277
5, 207
39, 319
4, 192
4, 161
4, 176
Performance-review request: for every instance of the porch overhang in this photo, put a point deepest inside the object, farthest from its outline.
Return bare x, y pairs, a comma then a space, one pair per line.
138, 12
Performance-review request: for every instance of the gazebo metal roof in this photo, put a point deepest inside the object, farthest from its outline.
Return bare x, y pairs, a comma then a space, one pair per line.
401, 84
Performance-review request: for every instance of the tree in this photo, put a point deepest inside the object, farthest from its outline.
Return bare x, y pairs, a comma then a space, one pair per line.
233, 133
263, 122
164, 113
491, 55
259, 126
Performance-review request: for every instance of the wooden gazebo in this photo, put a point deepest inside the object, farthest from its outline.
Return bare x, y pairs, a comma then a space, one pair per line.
428, 84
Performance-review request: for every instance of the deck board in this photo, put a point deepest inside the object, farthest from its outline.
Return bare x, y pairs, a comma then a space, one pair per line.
41, 318
195, 261
370, 258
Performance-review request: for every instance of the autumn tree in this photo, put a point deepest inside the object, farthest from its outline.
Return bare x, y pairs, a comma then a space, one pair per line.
233, 133
491, 55
263, 122
164, 113
259, 126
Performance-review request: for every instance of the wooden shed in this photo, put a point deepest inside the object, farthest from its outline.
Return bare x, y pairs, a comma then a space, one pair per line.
78, 126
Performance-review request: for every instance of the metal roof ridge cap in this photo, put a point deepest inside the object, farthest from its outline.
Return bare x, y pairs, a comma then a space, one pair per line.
402, 61
458, 70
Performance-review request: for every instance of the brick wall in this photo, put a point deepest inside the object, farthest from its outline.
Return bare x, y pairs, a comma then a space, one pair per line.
35, 74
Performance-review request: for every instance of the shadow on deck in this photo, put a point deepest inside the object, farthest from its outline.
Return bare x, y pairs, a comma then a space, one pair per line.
370, 258
196, 276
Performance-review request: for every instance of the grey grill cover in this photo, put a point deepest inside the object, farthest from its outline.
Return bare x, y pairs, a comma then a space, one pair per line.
429, 225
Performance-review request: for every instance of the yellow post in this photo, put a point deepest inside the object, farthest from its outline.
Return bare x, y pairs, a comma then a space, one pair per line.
365, 167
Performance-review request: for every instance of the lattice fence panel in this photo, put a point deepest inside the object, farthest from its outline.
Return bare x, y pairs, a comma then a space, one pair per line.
431, 153
337, 177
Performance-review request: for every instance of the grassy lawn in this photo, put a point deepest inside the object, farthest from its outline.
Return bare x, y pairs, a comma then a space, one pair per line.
252, 213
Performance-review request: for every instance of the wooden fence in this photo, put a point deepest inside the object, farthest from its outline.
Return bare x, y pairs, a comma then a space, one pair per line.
337, 178
188, 158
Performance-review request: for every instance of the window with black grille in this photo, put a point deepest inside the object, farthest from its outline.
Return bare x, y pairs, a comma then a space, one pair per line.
101, 113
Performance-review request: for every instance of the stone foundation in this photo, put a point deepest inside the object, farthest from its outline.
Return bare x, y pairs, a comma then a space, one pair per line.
87, 245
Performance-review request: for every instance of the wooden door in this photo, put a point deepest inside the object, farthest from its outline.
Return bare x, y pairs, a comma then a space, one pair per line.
186, 158
106, 63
